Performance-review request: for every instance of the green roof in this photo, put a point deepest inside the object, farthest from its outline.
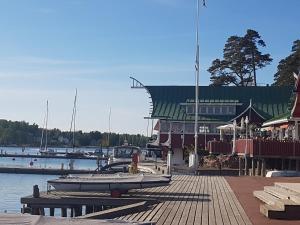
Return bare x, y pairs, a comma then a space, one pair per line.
268, 101
285, 116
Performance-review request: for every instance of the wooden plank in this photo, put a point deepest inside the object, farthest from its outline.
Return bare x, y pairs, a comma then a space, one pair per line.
202, 197
237, 203
149, 216
191, 217
130, 216
158, 195
223, 211
188, 213
114, 212
227, 205
231, 211
204, 215
139, 216
174, 214
211, 211
215, 200
167, 207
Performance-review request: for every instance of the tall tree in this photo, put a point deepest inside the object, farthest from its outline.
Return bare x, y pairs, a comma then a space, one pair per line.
241, 59
288, 66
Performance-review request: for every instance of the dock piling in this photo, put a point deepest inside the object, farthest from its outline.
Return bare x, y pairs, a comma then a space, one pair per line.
36, 191
63, 212
253, 166
52, 210
240, 167
263, 168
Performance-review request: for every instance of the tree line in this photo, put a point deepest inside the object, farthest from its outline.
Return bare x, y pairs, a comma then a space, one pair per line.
242, 57
21, 133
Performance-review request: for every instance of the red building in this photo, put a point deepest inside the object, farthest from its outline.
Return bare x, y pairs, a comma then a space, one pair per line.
173, 110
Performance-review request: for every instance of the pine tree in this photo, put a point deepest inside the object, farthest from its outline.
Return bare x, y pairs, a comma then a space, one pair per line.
241, 59
288, 66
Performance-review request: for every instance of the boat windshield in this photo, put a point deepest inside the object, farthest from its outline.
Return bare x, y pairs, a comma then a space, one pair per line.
124, 152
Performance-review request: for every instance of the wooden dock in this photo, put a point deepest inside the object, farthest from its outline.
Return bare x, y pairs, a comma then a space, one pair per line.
58, 156
188, 200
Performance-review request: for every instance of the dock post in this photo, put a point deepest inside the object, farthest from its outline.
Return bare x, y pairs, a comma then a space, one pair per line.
78, 211
63, 212
36, 191
258, 167
253, 166
42, 211
282, 164
290, 164
88, 209
240, 167
246, 167
72, 212
169, 161
35, 211
297, 165
52, 211
263, 168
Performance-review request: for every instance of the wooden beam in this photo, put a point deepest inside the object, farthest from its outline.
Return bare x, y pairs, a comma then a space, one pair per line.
115, 212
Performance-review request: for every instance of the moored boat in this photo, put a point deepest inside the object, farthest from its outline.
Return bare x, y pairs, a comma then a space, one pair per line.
123, 153
119, 182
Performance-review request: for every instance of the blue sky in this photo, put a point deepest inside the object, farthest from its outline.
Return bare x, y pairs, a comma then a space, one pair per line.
48, 48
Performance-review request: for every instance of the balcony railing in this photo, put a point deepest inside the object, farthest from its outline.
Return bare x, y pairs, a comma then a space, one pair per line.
271, 148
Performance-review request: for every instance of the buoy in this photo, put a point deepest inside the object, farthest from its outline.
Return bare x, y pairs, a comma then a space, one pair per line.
35, 160
13, 159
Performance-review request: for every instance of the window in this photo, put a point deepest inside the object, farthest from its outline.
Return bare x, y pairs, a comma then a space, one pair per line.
217, 110
231, 110
210, 110
203, 110
190, 109
224, 110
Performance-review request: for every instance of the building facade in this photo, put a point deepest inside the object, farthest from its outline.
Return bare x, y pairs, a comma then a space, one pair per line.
173, 107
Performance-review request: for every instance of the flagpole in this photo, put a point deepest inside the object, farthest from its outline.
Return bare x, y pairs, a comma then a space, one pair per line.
196, 89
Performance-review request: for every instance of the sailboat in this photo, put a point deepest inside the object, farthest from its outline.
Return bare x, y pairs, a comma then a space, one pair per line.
44, 148
75, 153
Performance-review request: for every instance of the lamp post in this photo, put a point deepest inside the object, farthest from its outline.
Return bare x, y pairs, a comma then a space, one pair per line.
246, 164
234, 137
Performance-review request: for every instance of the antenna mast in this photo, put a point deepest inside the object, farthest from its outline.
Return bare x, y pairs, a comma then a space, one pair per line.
197, 86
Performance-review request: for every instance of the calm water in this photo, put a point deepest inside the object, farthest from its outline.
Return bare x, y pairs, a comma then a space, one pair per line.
15, 186
44, 162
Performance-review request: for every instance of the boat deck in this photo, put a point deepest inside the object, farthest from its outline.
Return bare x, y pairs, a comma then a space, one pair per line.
189, 199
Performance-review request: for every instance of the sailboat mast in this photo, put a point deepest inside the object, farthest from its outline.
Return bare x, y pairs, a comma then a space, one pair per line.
74, 117
46, 131
42, 137
108, 136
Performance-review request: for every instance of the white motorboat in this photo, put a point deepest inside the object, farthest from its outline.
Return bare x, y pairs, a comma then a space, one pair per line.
99, 182
123, 153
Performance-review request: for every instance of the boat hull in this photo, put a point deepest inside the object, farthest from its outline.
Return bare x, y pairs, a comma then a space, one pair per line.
105, 184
